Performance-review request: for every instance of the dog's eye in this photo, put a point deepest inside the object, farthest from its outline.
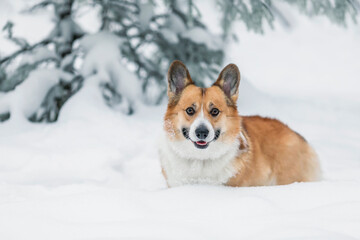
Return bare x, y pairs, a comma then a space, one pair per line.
214, 112
190, 111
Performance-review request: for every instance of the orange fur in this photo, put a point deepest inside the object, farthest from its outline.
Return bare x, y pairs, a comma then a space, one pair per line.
269, 151
276, 155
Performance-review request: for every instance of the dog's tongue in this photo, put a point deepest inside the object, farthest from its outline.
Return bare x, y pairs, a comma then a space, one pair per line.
201, 143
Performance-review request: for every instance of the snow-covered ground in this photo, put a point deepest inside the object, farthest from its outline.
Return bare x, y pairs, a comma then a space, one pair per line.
95, 173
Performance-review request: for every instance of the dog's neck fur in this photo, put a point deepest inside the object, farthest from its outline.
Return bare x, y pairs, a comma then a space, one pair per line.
186, 164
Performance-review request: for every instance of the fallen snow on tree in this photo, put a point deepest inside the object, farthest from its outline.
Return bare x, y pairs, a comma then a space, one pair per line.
28, 96
145, 15
169, 35
37, 55
200, 35
103, 59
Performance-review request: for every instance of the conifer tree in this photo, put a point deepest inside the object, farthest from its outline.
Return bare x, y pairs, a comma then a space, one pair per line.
152, 35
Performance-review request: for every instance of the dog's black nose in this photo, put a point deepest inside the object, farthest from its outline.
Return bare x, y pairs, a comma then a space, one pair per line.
202, 132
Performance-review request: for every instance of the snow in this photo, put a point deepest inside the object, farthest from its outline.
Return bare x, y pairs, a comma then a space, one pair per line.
201, 36
37, 55
28, 96
106, 46
313, 57
145, 15
169, 35
95, 173
175, 24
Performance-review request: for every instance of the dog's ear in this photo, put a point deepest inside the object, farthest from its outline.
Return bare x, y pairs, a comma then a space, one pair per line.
228, 81
178, 78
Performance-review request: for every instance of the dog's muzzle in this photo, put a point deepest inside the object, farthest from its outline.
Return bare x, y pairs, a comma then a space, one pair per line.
201, 133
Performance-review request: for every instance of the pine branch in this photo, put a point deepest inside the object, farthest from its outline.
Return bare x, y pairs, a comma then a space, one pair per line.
23, 50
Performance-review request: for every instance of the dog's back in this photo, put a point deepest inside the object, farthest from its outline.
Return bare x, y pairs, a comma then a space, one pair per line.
276, 155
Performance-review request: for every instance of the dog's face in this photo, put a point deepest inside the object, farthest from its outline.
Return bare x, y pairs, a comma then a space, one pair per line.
202, 123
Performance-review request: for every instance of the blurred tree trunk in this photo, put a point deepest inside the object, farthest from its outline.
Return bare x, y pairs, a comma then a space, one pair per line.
65, 32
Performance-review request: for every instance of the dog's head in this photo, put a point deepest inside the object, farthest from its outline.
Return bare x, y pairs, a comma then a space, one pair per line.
202, 122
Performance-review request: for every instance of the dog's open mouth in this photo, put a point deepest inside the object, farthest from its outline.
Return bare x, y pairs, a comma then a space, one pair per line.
201, 144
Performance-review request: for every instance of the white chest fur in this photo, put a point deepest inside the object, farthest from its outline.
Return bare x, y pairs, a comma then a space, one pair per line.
185, 164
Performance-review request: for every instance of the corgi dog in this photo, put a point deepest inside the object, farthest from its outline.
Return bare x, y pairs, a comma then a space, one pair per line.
207, 141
